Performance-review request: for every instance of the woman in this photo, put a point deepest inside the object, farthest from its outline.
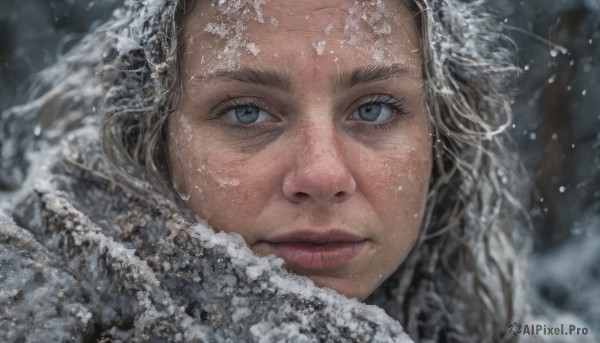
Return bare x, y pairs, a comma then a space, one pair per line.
356, 140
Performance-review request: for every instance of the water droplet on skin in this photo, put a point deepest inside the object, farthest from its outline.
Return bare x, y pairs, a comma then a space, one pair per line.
399, 188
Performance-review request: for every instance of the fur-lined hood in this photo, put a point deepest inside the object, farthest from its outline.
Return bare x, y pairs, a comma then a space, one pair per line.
89, 256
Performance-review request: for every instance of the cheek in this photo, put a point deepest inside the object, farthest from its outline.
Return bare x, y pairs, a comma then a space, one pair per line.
396, 182
178, 138
220, 187
230, 195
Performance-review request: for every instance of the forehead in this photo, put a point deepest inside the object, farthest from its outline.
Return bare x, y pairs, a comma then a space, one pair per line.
233, 33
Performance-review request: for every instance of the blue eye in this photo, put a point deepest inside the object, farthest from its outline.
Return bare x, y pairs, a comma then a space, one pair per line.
372, 112
246, 115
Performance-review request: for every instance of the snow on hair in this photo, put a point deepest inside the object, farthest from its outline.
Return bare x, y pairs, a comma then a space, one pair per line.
461, 282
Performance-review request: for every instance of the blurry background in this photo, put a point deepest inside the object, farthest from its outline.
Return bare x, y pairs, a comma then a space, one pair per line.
556, 128
557, 134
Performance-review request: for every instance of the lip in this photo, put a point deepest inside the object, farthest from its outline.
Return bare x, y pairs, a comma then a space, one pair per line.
317, 250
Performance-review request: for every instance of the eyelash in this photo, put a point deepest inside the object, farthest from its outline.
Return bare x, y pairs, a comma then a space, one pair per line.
220, 110
398, 108
232, 104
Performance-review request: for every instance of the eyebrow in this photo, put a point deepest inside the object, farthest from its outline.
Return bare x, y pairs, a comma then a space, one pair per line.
283, 81
269, 78
374, 73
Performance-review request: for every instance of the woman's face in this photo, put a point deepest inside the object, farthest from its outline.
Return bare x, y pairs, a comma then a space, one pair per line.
302, 126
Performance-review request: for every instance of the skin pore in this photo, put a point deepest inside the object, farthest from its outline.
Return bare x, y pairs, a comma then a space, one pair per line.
302, 126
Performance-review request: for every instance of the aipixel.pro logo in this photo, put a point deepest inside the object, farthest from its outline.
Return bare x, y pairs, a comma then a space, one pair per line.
545, 330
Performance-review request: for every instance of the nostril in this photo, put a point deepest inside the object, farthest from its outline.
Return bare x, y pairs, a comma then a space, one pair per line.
301, 195
319, 183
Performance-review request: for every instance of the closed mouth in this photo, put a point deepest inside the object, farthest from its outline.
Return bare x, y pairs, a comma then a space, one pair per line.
318, 250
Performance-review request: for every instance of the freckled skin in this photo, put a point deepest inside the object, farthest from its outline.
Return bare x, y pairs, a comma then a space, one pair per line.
308, 165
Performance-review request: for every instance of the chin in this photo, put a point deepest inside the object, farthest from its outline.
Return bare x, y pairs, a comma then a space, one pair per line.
346, 287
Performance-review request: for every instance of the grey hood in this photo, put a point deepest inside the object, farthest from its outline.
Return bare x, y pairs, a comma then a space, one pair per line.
90, 256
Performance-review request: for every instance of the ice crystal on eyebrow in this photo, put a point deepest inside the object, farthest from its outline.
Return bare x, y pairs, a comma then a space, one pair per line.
320, 46
220, 30
259, 15
230, 25
383, 28
372, 16
232, 7
229, 56
253, 48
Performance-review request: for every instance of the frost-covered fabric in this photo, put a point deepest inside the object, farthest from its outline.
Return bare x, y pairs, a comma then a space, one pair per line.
88, 256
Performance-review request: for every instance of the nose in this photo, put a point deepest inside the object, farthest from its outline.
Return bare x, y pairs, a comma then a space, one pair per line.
320, 173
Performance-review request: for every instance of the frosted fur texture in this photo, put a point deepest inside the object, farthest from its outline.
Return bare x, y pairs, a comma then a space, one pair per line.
119, 262
461, 282
464, 276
